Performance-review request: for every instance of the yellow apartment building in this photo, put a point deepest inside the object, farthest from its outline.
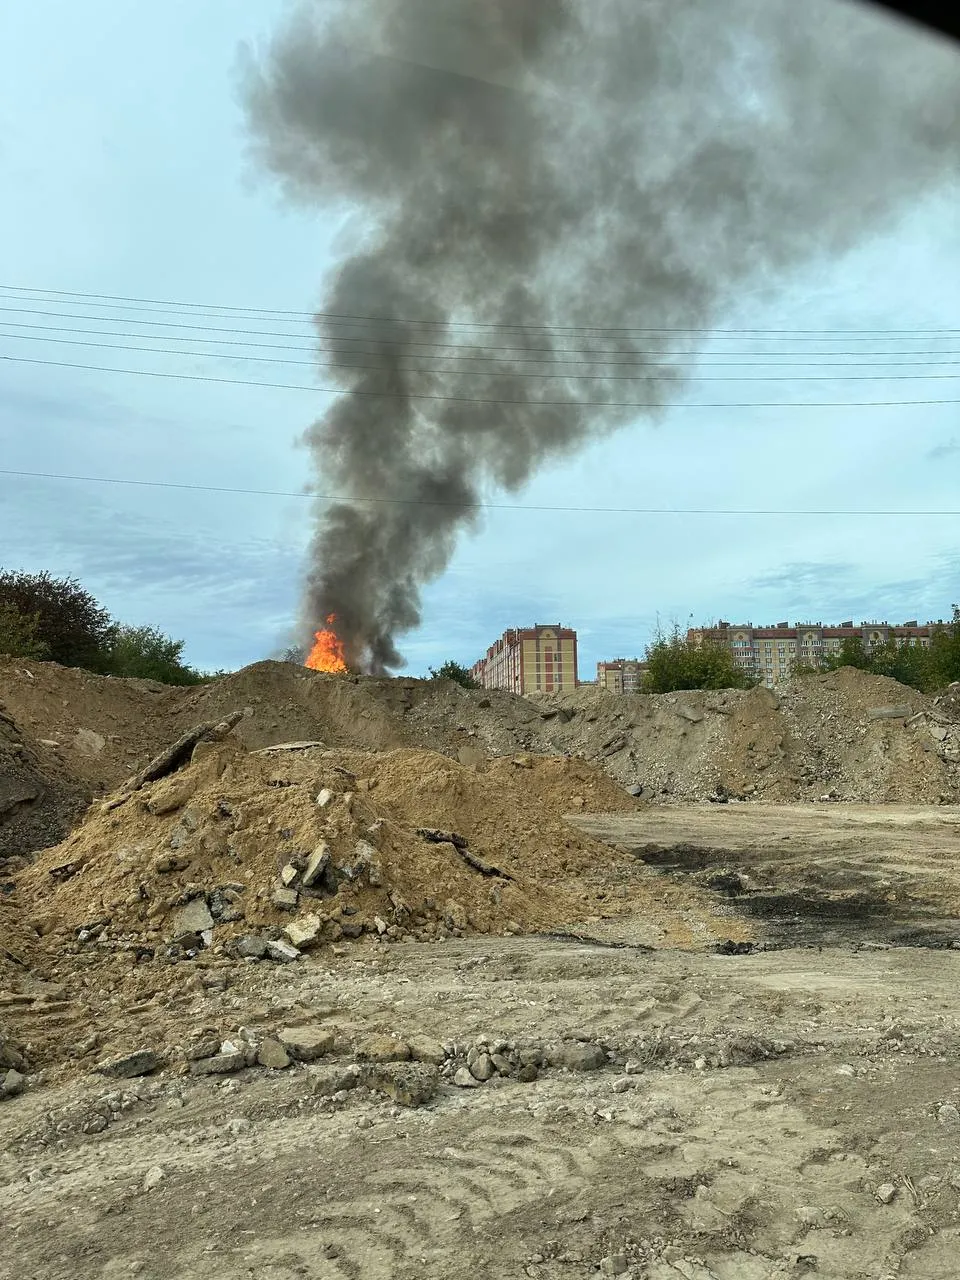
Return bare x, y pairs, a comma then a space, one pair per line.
537, 659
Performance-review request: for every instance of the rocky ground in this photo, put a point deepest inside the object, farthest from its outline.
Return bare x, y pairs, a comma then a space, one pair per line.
550, 1106
656, 1115
357, 984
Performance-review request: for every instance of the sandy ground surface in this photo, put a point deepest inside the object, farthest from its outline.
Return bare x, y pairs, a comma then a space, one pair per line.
827, 873
788, 1112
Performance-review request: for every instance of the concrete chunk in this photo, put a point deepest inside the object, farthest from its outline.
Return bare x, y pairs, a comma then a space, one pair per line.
426, 1049
195, 917
251, 944
272, 1054
306, 1044
220, 1064
11, 1083
577, 1056
304, 932
379, 1048
410, 1084
282, 952
317, 864
140, 1063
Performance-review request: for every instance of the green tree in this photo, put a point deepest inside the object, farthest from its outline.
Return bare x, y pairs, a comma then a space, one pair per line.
18, 633
147, 654
850, 654
925, 667
673, 662
69, 621
454, 671
944, 653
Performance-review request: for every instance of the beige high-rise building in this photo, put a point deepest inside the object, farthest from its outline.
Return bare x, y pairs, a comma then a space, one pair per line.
770, 653
537, 659
621, 675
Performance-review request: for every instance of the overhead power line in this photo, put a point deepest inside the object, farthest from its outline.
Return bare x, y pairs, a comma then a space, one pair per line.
493, 506
104, 299
461, 351
526, 404
647, 375
451, 346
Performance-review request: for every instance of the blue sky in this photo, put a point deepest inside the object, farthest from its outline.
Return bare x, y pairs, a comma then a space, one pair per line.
125, 170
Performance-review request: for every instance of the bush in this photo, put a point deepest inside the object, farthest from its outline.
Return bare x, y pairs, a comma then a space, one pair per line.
924, 668
454, 671
18, 634
69, 621
673, 662
145, 653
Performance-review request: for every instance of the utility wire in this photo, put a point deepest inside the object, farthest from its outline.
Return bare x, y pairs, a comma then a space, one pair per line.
105, 299
649, 375
486, 506
771, 357
525, 404
404, 343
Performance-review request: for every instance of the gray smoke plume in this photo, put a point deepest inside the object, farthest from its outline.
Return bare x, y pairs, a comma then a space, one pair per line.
541, 181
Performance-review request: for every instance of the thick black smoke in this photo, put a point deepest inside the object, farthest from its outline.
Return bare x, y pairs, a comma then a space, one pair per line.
561, 174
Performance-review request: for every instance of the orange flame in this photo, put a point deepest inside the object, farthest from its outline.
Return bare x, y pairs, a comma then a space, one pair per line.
327, 652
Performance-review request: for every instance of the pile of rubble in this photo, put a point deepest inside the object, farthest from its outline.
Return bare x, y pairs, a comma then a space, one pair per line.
266, 854
846, 734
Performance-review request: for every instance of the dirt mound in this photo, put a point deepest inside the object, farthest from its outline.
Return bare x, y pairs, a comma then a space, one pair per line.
102, 728
238, 842
107, 728
859, 736
39, 798
174, 888
845, 734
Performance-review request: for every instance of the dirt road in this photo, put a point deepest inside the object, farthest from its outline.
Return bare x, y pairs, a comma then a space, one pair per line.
790, 1112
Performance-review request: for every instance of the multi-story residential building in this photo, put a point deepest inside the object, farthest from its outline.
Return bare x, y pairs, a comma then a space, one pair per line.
622, 675
537, 659
769, 653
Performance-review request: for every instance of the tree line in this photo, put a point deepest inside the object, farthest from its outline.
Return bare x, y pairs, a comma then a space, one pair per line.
673, 662
57, 620
925, 667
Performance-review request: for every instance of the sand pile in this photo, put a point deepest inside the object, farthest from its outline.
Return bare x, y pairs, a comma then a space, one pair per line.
859, 736
102, 728
313, 839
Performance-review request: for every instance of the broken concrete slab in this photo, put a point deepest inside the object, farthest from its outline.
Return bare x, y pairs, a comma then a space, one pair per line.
140, 1063
304, 932
306, 1044
282, 952
317, 864
410, 1084
272, 1054
195, 917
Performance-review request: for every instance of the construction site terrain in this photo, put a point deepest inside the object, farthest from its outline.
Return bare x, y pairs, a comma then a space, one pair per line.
312, 976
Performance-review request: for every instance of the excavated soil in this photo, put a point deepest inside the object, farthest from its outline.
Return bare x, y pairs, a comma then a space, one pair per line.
536, 1026
39, 797
846, 735
211, 848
